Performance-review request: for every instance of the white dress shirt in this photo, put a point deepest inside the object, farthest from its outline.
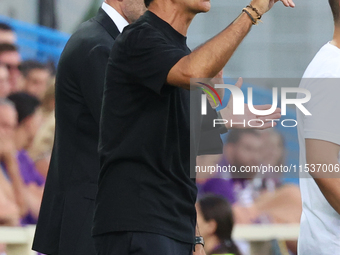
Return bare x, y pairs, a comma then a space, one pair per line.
115, 16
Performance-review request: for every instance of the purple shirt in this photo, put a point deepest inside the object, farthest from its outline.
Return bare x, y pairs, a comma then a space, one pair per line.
222, 187
226, 187
27, 169
29, 175
219, 186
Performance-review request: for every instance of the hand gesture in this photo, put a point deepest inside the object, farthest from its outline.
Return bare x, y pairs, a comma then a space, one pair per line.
227, 113
264, 5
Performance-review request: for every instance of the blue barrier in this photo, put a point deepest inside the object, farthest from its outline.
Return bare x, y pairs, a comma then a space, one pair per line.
37, 42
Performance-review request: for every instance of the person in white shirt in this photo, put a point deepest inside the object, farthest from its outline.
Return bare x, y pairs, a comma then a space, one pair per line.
319, 140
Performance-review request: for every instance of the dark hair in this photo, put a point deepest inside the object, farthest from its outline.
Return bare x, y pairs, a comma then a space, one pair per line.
27, 66
147, 2
235, 135
5, 47
335, 9
217, 208
25, 104
5, 27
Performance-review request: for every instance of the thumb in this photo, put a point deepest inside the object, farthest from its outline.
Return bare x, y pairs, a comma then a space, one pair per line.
239, 82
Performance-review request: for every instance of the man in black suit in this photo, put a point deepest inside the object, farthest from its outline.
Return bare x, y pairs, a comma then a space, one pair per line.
65, 220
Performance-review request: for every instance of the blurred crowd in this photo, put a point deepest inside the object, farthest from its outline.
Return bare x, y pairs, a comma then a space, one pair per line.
26, 131
26, 139
253, 198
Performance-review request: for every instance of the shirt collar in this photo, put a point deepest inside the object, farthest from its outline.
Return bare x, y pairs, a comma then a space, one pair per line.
115, 16
163, 26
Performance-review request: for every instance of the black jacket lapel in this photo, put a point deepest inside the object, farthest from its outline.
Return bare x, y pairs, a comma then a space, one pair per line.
105, 20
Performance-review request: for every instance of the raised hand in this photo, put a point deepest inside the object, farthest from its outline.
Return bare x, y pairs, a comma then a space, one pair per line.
287, 3
227, 113
265, 5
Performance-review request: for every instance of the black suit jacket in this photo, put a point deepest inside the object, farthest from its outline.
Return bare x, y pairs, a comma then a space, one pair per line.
65, 220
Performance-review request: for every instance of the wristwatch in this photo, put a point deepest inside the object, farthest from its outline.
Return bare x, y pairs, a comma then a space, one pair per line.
199, 240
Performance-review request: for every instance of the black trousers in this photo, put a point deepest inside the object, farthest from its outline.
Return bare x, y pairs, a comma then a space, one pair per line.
139, 243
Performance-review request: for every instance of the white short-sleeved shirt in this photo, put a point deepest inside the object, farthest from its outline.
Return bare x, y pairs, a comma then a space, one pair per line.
320, 223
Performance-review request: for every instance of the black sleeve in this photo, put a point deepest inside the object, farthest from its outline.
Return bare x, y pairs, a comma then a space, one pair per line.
151, 56
93, 79
210, 143
207, 121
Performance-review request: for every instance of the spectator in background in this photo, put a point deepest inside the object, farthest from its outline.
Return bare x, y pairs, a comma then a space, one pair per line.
9, 211
205, 161
41, 149
38, 81
5, 87
243, 148
10, 57
274, 149
215, 220
48, 102
7, 35
36, 78
273, 154
9, 203
246, 148
29, 120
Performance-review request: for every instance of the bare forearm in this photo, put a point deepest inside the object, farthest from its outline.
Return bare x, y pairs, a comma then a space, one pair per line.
14, 174
207, 60
211, 57
331, 191
6, 186
325, 153
197, 231
17, 183
9, 214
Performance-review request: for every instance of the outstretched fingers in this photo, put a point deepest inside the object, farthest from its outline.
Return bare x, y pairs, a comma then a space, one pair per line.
288, 3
